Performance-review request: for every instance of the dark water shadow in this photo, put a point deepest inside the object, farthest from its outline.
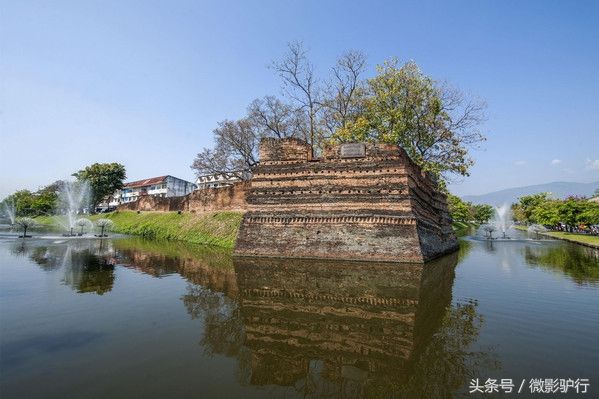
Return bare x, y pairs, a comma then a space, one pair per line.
16, 353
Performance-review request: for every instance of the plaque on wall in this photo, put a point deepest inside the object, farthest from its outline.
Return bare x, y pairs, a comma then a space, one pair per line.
353, 150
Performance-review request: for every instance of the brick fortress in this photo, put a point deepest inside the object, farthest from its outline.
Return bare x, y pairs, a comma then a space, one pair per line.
359, 201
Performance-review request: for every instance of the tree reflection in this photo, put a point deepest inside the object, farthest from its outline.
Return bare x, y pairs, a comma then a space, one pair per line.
580, 263
464, 249
87, 264
86, 272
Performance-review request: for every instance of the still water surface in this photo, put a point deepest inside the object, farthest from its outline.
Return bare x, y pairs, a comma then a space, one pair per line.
126, 318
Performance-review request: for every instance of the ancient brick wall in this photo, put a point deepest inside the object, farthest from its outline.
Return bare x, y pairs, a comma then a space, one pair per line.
359, 201
231, 198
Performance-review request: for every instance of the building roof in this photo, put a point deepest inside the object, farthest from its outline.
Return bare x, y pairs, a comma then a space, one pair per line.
145, 182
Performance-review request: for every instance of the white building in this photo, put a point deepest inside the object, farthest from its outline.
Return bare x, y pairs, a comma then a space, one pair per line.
215, 181
161, 186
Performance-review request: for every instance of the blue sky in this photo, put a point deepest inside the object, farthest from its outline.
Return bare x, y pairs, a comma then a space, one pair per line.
145, 82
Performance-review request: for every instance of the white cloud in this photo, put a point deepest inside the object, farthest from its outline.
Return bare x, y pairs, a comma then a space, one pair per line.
556, 162
592, 164
520, 163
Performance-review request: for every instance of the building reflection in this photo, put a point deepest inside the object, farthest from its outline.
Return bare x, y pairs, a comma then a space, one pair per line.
344, 329
312, 328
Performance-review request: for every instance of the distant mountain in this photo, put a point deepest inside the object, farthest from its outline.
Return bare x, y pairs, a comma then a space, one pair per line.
557, 189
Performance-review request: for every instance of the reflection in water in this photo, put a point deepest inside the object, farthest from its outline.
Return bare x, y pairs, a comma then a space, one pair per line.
342, 329
324, 328
201, 266
318, 328
87, 264
578, 262
464, 249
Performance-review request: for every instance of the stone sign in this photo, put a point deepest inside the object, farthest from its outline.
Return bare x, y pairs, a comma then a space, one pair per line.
354, 150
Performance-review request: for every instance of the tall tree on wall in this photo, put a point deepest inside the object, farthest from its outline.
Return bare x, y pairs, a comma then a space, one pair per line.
103, 179
272, 117
301, 86
434, 123
343, 96
235, 150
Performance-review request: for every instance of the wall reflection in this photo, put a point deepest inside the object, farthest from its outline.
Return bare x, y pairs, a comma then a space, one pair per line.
318, 328
343, 329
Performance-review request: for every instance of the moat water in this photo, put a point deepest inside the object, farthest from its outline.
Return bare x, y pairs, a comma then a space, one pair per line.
128, 318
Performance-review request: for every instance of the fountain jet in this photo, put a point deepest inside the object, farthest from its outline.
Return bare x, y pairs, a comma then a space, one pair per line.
9, 210
74, 198
503, 219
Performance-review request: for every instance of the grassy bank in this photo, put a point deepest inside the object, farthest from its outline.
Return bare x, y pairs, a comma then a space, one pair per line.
461, 225
463, 228
592, 241
216, 228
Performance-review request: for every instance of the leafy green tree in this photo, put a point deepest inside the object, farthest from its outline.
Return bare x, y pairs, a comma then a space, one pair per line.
22, 201
570, 211
45, 199
529, 202
434, 123
459, 210
589, 214
103, 178
482, 213
518, 213
546, 213
41, 202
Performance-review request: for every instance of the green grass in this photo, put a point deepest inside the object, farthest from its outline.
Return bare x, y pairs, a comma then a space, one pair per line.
215, 228
579, 238
463, 228
460, 225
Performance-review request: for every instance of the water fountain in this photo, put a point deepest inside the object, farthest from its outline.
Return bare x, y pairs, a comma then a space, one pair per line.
104, 225
74, 198
9, 210
25, 223
501, 222
83, 223
489, 229
503, 219
536, 229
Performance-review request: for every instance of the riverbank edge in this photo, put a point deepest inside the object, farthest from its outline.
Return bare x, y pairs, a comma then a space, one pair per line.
218, 229
570, 237
211, 228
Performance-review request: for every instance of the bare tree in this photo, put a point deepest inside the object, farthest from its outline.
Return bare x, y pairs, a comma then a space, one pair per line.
274, 118
341, 103
301, 86
234, 153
